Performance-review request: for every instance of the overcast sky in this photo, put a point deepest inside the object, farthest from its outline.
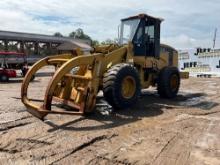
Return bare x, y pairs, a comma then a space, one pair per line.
188, 23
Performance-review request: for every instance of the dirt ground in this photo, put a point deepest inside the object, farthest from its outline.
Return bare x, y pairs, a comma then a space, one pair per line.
185, 130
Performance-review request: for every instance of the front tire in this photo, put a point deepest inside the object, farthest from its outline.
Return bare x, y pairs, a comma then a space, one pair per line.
121, 86
168, 82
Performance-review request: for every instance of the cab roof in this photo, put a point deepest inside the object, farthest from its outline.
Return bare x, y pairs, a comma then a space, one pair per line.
142, 16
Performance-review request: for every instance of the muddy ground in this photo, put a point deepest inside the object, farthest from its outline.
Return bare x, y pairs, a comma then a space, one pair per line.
185, 130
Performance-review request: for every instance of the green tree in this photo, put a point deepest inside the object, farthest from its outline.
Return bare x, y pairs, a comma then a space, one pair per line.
95, 43
109, 41
58, 34
72, 34
79, 34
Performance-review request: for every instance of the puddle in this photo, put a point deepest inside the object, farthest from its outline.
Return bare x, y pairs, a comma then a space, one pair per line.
192, 101
199, 102
205, 105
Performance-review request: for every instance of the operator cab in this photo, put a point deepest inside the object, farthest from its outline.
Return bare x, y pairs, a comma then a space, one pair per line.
144, 33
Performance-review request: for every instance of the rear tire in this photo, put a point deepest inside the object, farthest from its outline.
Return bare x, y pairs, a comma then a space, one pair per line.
121, 86
4, 78
168, 82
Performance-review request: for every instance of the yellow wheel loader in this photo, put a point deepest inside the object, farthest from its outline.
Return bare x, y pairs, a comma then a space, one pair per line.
120, 70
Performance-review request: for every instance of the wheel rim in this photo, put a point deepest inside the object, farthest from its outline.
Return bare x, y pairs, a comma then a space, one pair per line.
174, 81
128, 87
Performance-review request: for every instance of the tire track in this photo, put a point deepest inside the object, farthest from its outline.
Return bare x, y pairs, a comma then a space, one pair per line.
14, 126
84, 145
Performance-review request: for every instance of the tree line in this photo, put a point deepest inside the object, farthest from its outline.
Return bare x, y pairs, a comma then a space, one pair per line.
79, 34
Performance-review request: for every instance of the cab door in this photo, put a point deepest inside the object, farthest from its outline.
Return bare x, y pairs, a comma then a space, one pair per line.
138, 40
152, 37
147, 38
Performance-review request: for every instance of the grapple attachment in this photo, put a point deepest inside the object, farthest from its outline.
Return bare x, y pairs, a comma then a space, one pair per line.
75, 82
77, 90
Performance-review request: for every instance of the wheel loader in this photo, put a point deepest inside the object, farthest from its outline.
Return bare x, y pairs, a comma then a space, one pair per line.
120, 70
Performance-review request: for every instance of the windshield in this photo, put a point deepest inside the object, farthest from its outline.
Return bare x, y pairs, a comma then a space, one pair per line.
128, 29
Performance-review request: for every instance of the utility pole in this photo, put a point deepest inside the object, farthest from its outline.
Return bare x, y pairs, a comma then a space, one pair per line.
215, 35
